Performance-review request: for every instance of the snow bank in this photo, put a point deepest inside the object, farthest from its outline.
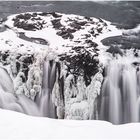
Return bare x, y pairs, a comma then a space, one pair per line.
22, 127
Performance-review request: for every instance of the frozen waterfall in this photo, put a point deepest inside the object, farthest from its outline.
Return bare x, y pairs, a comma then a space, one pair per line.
119, 101
8, 100
42, 106
120, 95
48, 108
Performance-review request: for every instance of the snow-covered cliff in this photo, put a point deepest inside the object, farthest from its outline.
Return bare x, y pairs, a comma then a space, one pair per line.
56, 61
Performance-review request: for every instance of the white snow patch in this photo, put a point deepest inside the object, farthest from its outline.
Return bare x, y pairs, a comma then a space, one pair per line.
18, 126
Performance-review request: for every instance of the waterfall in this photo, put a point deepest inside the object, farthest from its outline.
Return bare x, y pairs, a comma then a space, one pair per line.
120, 95
119, 99
8, 100
5, 81
42, 106
49, 76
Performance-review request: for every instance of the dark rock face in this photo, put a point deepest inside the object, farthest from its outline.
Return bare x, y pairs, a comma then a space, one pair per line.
77, 25
4, 56
65, 34
33, 39
83, 64
91, 43
25, 62
56, 24
21, 21
115, 50
123, 41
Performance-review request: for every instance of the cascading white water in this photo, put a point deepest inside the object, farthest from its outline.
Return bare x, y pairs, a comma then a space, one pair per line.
49, 76
9, 101
43, 105
120, 97
121, 92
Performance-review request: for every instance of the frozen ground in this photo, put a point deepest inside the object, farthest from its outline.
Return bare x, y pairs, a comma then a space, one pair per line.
22, 127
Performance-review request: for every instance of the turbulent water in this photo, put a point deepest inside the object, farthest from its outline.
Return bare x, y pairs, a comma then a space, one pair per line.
49, 77
120, 101
43, 105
